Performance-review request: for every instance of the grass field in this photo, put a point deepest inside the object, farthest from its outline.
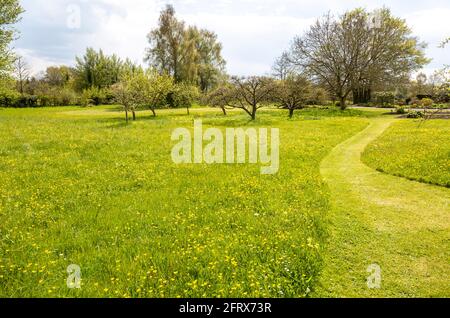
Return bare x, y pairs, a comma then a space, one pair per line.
81, 187
415, 150
400, 226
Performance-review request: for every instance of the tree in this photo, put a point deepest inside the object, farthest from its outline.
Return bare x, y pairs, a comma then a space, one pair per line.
188, 54
246, 93
150, 89
157, 89
221, 97
444, 43
10, 11
58, 75
125, 94
210, 63
122, 94
357, 51
183, 95
95, 69
165, 52
293, 93
22, 73
282, 66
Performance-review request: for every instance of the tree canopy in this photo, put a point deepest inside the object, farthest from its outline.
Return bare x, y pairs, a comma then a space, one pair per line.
188, 54
357, 51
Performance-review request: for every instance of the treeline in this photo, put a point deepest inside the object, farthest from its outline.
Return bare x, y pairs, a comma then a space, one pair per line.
184, 61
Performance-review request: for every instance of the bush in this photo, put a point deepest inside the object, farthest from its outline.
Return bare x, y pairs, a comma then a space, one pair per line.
427, 102
383, 99
9, 98
94, 96
400, 110
415, 114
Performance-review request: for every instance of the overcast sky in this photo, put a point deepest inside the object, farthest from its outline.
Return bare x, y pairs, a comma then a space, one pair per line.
253, 32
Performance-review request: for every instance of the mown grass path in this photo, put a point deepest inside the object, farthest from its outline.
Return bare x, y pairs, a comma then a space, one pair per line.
401, 225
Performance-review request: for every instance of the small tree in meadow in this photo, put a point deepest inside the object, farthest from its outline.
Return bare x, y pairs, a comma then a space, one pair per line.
292, 93
127, 94
221, 97
247, 93
184, 95
157, 88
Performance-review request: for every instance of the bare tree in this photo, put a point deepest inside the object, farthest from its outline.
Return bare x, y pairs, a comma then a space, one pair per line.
221, 97
251, 93
22, 73
282, 66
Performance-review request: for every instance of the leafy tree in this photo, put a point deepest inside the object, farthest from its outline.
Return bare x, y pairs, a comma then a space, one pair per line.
206, 64
352, 54
58, 75
95, 69
125, 95
184, 95
293, 93
93, 96
188, 54
165, 52
157, 89
10, 11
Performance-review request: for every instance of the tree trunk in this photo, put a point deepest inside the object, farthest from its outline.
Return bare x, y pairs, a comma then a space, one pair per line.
342, 102
153, 112
126, 115
254, 109
291, 112
188, 111
224, 111
362, 95
134, 115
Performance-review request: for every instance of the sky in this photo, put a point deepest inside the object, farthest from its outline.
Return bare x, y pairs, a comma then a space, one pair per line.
253, 32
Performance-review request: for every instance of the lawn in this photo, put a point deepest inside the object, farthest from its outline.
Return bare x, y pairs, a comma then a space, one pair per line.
381, 221
78, 186
415, 150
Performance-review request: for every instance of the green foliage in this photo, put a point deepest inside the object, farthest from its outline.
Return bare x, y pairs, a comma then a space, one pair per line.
10, 11
400, 110
94, 96
427, 102
188, 54
98, 70
383, 99
415, 114
142, 89
183, 95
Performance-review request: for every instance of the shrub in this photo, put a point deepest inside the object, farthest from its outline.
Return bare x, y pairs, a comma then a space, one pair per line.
400, 110
9, 98
94, 96
415, 114
383, 99
427, 102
